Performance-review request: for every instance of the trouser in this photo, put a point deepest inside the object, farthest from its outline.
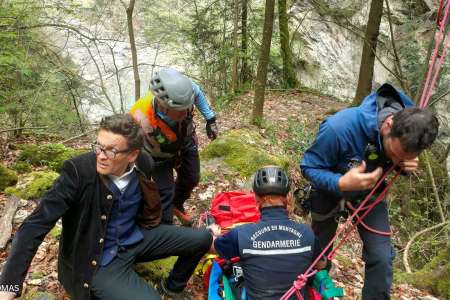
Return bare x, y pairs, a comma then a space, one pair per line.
175, 193
378, 252
118, 280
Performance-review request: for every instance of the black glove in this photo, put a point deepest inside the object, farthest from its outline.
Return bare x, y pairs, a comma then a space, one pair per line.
211, 128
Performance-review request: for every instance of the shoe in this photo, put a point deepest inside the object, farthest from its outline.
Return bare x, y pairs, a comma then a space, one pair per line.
167, 294
185, 219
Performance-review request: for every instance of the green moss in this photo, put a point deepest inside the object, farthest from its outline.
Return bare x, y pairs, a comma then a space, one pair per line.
33, 185
37, 275
38, 296
344, 261
51, 155
8, 177
206, 176
434, 276
243, 151
156, 270
22, 167
55, 233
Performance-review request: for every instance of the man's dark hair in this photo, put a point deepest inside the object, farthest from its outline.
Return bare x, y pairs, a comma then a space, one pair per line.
416, 128
125, 125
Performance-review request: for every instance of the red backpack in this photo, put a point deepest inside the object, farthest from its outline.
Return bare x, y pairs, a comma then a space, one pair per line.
230, 208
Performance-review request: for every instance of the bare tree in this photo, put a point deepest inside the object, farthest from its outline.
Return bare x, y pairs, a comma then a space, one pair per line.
137, 81
289, 76
261, 76
245, 72
369, 51
235, 72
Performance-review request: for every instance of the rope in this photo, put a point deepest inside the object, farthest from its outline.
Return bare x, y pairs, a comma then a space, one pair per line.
367, 227
299, 283
432, 68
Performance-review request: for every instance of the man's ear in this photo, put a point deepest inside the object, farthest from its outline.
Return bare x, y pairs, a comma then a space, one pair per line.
132, 156
386, 126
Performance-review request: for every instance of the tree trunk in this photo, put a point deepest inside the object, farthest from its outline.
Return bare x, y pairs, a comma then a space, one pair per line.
245, 72
289, 77
369, 50
261, 76
137, 80
235, 73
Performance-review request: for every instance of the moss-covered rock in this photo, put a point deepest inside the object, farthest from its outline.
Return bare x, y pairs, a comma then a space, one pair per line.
156, 270
434, 276
8, 177
243, 151
33, 185
22, 167
51, 155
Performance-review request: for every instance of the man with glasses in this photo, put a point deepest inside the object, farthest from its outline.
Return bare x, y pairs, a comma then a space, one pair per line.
166, 116
110, 210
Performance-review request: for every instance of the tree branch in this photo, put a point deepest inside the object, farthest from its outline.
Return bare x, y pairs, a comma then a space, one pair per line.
408, 245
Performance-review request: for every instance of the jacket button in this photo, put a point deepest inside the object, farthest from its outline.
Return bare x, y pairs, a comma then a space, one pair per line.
103, 217
94, 263
109, 197
85, 285
100, 240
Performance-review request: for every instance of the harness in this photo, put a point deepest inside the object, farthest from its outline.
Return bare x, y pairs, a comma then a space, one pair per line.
163, 139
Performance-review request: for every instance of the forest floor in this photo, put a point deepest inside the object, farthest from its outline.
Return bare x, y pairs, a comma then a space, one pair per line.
291, 119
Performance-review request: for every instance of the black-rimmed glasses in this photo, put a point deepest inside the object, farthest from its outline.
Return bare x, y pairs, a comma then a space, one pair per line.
109, 153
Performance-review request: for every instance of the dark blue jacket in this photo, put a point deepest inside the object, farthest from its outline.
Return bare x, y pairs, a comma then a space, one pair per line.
273, 252
343, 138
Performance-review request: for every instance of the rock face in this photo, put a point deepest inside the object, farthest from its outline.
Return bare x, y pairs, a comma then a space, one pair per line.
327, 50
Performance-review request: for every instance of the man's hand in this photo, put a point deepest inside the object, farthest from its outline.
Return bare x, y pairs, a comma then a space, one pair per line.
409, 166
7, 295
211, 129
215, 229
357, 180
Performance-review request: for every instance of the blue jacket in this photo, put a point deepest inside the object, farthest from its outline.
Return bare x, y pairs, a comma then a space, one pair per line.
342, 140
273, 252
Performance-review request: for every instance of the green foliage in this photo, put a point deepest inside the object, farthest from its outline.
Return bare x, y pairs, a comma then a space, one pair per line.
36, 84
51, 155
8, 177
299, 137
33, 185
413, 207
412, 52
244, 151
22, 167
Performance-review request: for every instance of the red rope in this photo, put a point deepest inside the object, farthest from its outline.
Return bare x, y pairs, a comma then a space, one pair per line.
299, 282
367, 227
433, 70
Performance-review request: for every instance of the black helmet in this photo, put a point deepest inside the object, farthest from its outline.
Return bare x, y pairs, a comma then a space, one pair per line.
271, 180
